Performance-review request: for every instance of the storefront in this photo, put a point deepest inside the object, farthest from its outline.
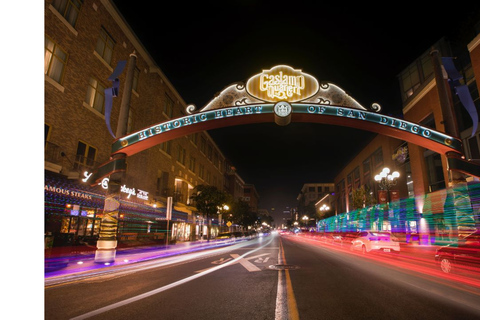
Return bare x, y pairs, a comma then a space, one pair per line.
73, 214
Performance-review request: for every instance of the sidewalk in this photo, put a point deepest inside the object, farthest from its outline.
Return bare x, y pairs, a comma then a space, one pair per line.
82, 258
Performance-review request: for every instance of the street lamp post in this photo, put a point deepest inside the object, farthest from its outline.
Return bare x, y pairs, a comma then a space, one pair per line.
305, 220
221, 211
386, 181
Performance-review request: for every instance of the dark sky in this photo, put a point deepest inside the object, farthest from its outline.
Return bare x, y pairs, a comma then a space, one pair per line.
202, 49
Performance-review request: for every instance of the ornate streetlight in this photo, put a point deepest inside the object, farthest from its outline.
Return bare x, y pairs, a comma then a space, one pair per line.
386, 181
305, 220
324, 207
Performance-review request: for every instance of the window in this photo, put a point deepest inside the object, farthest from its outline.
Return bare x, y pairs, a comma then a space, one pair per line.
95, 97
168, 107
105, 46
47, 133
69, 9
85, 155
426, 65
215, 160
191, 165
378, 158
210, 152
415, 75
410, 81
182, 154
473, 147
55, 60
201, 171
209, 177
436, 179
194, 138
166, 147
162, 184
203, 144
367, 173
356, 177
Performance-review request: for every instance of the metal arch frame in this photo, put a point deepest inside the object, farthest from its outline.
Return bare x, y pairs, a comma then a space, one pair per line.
301, 112
264, 112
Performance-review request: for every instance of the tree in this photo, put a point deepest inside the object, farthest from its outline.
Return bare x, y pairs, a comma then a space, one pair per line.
208, 200
242, 215
363, 197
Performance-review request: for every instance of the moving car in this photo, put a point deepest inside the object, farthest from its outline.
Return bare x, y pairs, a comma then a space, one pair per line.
381, 241
465, 254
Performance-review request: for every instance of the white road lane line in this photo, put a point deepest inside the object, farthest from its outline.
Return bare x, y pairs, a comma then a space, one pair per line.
164, 288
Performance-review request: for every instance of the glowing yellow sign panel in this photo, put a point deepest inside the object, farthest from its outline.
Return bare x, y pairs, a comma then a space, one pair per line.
282, 83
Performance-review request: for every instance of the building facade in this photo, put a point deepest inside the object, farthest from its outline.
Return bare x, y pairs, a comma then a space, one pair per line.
84, 43
250, 196
420, 205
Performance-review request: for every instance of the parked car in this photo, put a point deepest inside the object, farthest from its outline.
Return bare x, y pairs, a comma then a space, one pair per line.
381, 241
466, 253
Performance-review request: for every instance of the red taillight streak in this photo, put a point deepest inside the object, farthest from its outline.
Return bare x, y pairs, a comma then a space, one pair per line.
410, 266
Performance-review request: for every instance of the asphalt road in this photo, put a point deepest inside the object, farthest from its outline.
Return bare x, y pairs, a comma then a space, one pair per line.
287, 277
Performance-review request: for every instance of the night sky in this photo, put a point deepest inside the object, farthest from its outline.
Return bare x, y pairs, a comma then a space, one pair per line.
203, 49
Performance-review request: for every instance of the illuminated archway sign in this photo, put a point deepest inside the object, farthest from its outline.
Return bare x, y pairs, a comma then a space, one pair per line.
281, 94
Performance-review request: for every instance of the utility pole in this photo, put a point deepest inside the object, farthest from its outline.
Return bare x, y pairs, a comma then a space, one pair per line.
107, 240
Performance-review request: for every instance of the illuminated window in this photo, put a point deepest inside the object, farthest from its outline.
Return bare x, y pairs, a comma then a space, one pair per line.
85, 155
95, 97
55, 60
105, 46
69, 9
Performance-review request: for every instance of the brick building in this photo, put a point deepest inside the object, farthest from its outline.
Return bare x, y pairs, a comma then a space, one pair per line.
84, 42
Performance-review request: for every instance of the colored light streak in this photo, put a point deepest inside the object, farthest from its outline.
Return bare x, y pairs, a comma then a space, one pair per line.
148, 257
410, 260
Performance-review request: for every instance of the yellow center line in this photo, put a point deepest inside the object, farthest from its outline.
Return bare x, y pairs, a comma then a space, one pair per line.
291, 301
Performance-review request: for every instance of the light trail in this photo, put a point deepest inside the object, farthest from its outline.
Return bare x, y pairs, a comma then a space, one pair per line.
415, 265
139, 264
164, 288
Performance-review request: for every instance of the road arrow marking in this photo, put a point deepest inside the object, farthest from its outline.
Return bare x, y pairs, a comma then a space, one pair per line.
260, 260
245, 260
247, 264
